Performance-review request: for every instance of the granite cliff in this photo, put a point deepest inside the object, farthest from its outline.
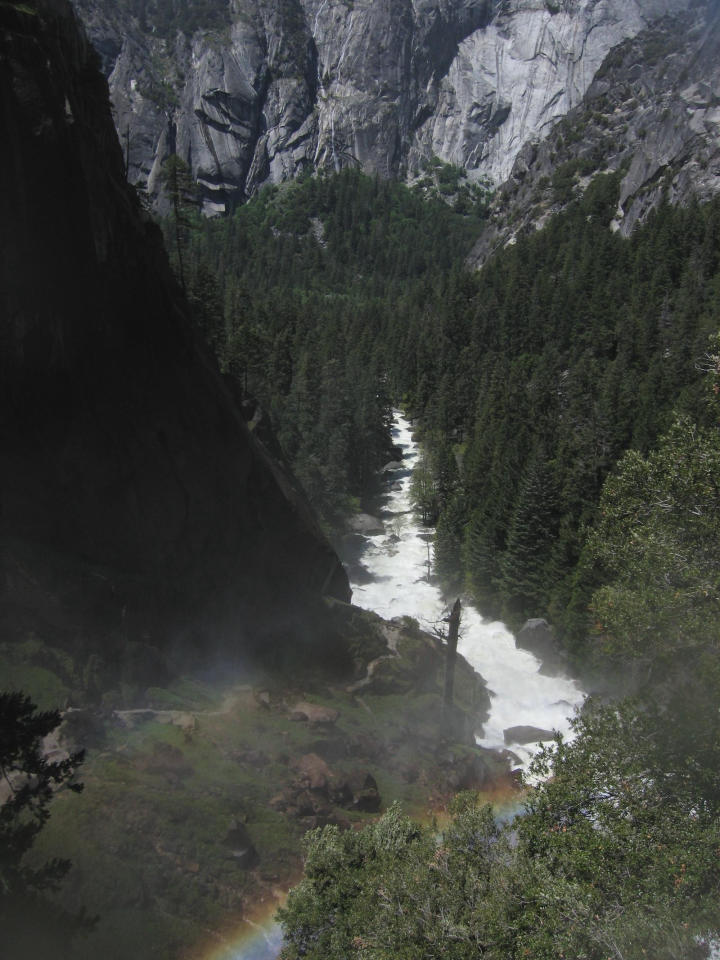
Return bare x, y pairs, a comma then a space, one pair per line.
255, 91
651, 116
140, 518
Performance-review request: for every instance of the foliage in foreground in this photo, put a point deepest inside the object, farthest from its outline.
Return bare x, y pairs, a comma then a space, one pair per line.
618, 854
29, 921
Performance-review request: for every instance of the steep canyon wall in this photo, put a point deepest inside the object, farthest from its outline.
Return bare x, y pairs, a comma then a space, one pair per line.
275, 87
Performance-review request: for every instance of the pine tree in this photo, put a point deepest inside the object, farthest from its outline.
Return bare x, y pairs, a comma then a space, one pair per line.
182, 194
527, 567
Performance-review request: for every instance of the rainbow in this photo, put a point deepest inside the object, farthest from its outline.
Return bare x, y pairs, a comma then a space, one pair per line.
256, 938
259, 937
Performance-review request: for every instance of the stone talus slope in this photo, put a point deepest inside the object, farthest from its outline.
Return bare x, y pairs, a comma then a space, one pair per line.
295, 83
135, 504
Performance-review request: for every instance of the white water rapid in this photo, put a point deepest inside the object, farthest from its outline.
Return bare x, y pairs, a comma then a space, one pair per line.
397, 560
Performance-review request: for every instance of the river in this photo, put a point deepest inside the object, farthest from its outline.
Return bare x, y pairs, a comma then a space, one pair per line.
396, 566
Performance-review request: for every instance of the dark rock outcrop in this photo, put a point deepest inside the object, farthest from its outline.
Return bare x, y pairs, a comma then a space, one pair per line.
135, 505
526, 734
536, 635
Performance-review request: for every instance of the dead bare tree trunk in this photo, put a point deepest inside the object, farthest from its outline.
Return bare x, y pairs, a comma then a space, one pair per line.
451, 656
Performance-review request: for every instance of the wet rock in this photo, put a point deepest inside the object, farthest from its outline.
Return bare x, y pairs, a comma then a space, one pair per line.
321, 820
354, 541
536, 635
279, 802
512, 758
523, 734
390, 675
366, 524
297, 802
304, 804
359, 574
367, 801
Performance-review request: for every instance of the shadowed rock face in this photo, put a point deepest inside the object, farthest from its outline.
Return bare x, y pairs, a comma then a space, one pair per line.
135, 504
385, 84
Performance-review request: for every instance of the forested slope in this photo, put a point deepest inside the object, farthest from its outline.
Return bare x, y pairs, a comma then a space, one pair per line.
572, 346
298, 292
336, 296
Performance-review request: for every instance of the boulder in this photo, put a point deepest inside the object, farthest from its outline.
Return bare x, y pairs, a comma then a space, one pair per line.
314, 714
312, 772
357, 791
390, 675
324, 820
314, 791
526, 734
367, 746
304, 804
466, 771
536, 635
366, 524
